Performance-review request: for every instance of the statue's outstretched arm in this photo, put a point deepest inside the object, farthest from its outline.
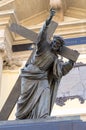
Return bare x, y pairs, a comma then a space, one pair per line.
43, 31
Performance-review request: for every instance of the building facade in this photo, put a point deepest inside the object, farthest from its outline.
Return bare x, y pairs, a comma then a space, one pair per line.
14, 50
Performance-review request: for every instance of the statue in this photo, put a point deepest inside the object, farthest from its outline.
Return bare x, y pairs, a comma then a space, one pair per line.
40, 78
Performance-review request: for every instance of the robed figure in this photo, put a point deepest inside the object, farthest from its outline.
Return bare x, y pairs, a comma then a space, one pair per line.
41, 76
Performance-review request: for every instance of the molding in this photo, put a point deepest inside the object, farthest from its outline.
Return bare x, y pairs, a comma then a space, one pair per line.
76, 12
6, 37
35, 19
5, 2
9, 14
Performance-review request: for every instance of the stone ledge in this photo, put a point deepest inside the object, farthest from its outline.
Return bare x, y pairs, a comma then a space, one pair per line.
63, 123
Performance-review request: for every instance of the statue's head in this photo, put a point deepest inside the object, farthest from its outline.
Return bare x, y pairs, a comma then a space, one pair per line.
57, 43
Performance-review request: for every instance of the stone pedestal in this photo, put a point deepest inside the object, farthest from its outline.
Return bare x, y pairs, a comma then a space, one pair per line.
67, 123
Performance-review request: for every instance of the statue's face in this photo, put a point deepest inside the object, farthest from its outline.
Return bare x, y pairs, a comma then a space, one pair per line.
56, 44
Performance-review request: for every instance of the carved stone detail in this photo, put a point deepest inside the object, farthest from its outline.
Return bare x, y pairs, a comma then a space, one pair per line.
4, 50
12, 64
2, 47
6, 55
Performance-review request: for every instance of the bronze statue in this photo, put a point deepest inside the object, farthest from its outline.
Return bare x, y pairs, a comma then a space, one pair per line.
40, 78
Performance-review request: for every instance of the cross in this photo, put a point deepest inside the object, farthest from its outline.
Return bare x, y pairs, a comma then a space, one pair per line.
29, 34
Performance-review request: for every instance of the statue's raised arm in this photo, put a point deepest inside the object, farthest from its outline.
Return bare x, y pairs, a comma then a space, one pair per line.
42, 36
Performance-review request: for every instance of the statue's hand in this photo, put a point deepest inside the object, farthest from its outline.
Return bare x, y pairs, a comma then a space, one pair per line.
72, 62
52, 12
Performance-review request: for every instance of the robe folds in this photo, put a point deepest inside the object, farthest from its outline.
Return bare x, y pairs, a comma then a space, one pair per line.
39, 84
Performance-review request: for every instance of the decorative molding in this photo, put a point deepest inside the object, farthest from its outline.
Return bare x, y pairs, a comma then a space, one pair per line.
6, 37
35, 19
12, 65
5, 2
76, 12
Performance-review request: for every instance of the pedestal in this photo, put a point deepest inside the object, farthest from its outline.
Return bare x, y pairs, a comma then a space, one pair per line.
45, 124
